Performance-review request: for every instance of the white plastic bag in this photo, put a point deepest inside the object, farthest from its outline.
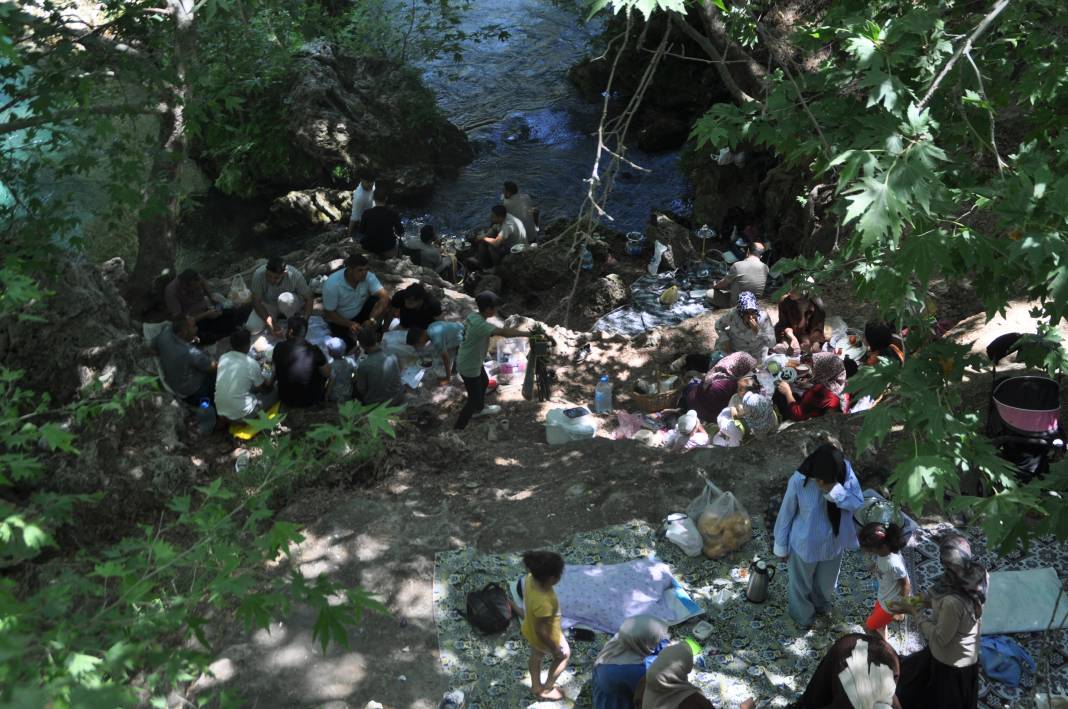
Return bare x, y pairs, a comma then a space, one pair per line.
239, 293
658, 253
682, 532
722, 522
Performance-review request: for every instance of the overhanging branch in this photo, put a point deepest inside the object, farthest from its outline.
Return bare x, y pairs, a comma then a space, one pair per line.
62, 116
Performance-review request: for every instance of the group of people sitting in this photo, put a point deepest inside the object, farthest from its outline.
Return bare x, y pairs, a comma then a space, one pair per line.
823, 515
726, 388
513, 221
356, 309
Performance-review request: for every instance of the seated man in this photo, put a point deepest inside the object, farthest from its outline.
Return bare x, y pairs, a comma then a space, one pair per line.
415, 307
381, 227
300, 367
188, 294
444, 338
241, 389
353, 298
269, 283
749, 274
188, 370
430, 255
342, 371
520, 205
378, 379
506, 232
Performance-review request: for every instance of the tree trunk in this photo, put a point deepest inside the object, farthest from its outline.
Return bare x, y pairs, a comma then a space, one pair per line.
158, 222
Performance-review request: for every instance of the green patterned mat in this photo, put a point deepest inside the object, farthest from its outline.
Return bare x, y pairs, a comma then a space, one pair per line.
753, 651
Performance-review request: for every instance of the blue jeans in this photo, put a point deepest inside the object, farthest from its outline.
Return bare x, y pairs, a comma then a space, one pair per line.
812, 587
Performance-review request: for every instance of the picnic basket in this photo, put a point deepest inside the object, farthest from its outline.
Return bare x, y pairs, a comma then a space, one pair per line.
654, 403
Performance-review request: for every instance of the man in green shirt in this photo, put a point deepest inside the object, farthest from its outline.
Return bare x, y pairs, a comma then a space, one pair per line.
472, 353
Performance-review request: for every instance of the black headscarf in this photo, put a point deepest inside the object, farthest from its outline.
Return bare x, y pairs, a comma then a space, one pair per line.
826, 464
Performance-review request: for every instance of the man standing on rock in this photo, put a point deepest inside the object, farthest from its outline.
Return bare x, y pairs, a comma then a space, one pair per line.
269, 283
353, 298
521, 206
381, 227
506, 232
749, 274
363, 198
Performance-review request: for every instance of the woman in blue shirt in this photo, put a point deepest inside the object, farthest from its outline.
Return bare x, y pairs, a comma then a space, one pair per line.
622, 663
811, 533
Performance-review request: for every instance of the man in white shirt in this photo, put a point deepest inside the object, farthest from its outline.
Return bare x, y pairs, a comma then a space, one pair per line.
241, 389
506, 232
363, 198
521, 206
269, 283
353, 298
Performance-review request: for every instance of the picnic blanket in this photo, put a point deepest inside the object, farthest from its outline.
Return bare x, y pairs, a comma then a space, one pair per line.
646, 312
600, 597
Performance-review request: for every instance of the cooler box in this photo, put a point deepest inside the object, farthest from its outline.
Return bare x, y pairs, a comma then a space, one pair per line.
559, 429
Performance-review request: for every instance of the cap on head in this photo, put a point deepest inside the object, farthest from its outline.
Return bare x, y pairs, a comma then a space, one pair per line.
336, 347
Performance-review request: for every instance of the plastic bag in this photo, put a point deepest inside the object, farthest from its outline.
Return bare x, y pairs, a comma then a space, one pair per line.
239, 293
682, 532
658, 253
722, 522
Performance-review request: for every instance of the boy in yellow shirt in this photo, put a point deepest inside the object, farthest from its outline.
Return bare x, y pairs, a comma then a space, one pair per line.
541, 621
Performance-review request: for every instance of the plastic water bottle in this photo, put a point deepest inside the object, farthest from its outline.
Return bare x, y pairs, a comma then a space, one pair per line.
602, 396
206, 416
587, 259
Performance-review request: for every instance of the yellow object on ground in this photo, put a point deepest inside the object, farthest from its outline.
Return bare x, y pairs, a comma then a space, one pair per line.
246, 432
669, 296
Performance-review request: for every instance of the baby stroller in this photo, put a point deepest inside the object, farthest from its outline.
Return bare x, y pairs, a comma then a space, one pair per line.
1023, 416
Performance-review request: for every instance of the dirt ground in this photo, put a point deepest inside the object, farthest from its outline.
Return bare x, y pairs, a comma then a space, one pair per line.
446, 490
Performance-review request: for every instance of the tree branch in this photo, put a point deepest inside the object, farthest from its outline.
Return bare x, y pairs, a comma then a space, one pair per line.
61, 116
990, 110
710, 49
966, 47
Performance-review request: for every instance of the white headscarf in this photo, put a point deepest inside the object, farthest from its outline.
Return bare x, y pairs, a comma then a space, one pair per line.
687, 423
868, 686
637, 639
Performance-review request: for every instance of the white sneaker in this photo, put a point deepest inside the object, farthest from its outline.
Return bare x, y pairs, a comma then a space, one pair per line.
491, 410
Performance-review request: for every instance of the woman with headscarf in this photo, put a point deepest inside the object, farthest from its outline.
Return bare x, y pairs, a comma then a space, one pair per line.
812, 533
667, 685
800, 325
945, 674
857, 672
825, 394
733, 366
622, 663
709, 396
749, 414
745, 328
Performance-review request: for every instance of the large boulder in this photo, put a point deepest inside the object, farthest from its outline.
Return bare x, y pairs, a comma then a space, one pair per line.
310, 208
364, 113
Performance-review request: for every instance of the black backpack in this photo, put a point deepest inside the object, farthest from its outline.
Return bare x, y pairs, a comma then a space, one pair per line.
489, 609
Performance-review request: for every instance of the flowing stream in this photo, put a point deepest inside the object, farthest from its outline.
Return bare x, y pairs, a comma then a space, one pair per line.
534, 128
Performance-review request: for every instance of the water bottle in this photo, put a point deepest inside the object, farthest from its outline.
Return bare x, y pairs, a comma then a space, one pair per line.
587, 259
602, 396
206, 416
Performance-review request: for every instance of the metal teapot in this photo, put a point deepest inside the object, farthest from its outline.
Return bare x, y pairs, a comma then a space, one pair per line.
760, 577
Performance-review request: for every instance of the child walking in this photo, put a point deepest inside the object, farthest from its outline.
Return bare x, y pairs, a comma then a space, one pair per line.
541, 621
884, 543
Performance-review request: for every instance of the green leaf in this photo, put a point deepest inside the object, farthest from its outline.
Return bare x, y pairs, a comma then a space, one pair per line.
82, 666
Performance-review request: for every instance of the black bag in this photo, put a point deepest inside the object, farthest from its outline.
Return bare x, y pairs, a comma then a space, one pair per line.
489, 609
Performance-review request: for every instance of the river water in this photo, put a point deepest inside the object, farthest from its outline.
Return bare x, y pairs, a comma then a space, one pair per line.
537, 130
